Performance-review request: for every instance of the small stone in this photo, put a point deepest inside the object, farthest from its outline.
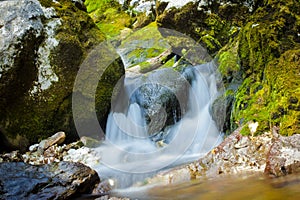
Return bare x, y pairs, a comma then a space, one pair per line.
57, 138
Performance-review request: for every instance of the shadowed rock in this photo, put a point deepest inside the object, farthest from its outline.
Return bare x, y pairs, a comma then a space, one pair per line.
56, 181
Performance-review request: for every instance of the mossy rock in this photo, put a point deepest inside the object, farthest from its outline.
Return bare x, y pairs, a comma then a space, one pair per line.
212, 29
269, 55
274, 101
33, 116
153, 47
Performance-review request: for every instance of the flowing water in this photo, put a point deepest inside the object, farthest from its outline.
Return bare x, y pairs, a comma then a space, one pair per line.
130, 153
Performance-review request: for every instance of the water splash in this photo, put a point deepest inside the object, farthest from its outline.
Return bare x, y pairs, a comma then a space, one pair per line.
131, 154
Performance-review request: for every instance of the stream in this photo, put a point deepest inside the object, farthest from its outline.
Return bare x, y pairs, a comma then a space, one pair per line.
130, 153
256, 187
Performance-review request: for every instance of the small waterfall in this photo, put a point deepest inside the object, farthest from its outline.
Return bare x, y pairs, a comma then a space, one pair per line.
131, 154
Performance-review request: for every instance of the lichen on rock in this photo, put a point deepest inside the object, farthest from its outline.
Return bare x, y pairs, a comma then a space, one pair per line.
56, 38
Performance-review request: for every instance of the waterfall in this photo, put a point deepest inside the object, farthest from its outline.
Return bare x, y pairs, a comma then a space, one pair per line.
131, 154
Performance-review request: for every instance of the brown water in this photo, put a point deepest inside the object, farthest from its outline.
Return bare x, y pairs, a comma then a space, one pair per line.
254, 187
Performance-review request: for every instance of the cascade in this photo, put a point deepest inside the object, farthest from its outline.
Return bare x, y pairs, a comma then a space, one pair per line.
131, 154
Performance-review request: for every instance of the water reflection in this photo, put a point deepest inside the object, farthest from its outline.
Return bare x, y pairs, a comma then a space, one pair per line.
256, 187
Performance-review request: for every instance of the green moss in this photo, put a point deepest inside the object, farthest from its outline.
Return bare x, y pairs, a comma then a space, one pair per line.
269, 55
169, 63
211, 43
268, 102
113, 22
108, 16
145, 67
94, 5
144, 44
228, 63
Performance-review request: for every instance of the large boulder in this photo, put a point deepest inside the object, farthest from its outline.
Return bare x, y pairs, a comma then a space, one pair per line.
54, 181
42, 45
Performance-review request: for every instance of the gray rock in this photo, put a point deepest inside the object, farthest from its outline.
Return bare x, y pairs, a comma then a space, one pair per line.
237, 154
18, 19
56, 181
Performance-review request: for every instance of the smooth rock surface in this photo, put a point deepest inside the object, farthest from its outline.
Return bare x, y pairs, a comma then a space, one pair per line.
57, 138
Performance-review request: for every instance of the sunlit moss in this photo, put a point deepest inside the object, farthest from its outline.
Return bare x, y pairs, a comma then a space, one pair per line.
108, 16
269, 55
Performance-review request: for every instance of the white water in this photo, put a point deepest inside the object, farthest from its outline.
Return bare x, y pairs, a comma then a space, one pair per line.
129, 155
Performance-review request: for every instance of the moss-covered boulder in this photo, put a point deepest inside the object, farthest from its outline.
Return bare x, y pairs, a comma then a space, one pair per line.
269, 54
212, 25
256, 44
43, 44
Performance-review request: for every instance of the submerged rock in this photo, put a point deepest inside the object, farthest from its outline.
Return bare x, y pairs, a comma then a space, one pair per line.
55, 181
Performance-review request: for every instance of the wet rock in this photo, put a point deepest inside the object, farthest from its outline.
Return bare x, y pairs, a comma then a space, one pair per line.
237, 154
104, 187
79, 4
284, 156
55, 181
90, 142
57, 138
156, 62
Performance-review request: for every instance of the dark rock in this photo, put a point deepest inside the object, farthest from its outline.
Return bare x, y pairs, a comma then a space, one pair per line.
13, 156
56, 181
79, 4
